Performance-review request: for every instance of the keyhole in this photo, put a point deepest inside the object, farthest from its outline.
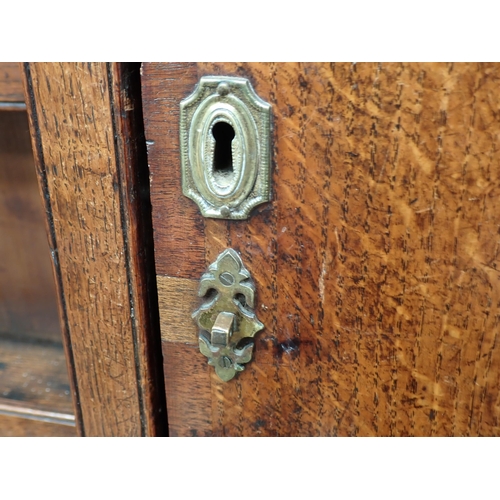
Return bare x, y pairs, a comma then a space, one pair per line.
223, 155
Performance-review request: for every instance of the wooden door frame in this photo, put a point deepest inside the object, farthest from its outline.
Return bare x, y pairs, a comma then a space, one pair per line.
90, 155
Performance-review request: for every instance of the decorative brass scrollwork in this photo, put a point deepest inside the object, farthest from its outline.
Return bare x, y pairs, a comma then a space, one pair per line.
227, 319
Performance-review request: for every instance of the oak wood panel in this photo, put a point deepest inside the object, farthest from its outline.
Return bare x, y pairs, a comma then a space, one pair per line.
11, 83
23, 427
376, 263
384, 215
28, 305
371, 297
83, 118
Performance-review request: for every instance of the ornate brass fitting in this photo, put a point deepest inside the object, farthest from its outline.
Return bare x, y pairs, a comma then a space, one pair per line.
225, 134
227, 319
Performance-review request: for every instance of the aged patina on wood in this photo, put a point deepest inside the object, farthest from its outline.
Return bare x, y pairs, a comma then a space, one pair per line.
90, 155
376, 263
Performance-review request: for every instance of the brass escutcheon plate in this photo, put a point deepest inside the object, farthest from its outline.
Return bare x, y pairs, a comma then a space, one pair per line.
225, 134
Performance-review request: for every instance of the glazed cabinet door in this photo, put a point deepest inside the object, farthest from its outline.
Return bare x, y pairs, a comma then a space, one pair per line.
375, 262
90, 156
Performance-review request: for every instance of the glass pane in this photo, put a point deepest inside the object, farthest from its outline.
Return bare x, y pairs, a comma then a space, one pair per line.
33, 375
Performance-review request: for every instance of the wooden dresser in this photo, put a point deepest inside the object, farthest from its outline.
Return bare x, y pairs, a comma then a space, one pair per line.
375, 262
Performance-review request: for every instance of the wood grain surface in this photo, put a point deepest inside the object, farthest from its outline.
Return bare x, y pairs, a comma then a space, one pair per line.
11, 82
376, 263
179, 241
189, 393
82, 118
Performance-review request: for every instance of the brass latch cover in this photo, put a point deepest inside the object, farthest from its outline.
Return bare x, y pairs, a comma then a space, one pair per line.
227, 320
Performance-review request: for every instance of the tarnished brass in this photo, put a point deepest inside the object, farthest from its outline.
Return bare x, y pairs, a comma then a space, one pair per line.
225, 131
227, 319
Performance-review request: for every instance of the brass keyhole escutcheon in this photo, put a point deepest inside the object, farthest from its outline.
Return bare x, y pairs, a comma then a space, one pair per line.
225, 137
